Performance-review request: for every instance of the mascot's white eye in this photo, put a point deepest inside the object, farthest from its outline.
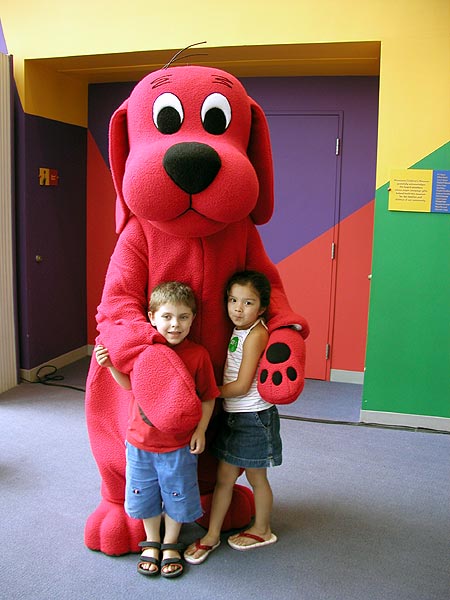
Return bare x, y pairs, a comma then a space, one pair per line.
216, 114
168, 113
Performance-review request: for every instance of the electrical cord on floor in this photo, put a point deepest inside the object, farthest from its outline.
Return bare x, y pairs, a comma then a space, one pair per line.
360, 424
50, 377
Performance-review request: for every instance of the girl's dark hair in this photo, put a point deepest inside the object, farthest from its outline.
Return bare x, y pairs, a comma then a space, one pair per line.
257, 280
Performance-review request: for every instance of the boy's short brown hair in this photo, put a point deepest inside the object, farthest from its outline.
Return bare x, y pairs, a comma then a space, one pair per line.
174, 292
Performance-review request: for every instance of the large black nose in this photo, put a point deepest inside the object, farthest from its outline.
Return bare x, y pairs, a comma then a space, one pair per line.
192, 166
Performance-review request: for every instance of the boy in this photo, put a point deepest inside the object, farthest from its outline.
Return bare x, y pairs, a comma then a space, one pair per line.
161, 468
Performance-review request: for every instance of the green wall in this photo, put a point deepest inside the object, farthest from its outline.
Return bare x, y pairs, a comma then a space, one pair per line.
408, 353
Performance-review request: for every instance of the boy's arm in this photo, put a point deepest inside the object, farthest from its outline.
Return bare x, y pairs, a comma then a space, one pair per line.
102, 356
122, 379
197, 444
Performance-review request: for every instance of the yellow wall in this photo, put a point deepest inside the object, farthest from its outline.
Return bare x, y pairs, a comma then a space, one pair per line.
414, 117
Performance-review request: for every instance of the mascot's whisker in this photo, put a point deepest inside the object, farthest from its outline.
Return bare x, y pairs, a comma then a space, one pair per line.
177, 56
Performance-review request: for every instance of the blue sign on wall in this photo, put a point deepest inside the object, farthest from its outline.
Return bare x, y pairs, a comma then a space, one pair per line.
440, 194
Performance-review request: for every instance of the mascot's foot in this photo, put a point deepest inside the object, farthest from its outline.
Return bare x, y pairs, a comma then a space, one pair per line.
240, 513
110, 530
282, 368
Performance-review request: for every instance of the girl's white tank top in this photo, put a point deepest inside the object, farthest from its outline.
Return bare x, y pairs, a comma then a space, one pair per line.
252, 401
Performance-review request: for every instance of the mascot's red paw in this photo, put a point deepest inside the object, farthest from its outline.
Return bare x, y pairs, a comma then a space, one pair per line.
173, 405
110, 530
240, 513
282, 369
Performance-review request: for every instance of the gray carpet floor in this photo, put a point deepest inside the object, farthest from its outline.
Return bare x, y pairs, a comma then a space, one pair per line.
360, 513
327, 400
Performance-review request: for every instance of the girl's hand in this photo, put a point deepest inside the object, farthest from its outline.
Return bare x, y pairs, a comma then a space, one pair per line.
102, 356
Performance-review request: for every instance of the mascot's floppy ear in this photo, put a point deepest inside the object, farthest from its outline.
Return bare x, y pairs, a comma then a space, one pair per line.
260, 154
118, 154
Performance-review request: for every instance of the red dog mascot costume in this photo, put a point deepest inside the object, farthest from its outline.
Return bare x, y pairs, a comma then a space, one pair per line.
192, 167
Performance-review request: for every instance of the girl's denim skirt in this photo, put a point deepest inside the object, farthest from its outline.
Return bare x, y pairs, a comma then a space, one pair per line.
249, 439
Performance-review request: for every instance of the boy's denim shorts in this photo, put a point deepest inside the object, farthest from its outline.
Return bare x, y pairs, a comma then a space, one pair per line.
162, 482
249, 439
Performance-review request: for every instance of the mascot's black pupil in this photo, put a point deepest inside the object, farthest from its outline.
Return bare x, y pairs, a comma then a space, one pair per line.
168, 120
215, 121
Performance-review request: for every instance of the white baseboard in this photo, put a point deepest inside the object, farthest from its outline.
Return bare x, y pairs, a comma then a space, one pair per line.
405, 420
58, 362
347, 376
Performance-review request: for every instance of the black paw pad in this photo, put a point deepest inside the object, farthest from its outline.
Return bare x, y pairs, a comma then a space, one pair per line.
291, 373
278, 353
277, 377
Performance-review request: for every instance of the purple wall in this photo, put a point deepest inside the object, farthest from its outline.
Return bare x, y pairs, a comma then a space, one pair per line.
3, 48
104, 99
356, 99
51, 222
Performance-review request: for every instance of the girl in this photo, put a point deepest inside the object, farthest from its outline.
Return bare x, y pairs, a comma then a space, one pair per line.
249, 435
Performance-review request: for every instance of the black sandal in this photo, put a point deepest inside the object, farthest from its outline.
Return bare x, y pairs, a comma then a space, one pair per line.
149, 559
172, 561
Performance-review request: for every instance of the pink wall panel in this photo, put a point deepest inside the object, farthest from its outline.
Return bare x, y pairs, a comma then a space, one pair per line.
354, 256
308, 287
101, 199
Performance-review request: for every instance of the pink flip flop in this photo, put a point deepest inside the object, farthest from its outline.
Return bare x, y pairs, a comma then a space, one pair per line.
203, 557
259, 541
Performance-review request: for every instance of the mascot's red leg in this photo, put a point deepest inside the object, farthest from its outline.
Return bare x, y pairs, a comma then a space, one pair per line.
240, 513
109, 529
242, 507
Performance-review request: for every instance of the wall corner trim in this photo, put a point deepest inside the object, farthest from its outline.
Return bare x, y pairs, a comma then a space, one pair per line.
342, 376
63, 360
405, 420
